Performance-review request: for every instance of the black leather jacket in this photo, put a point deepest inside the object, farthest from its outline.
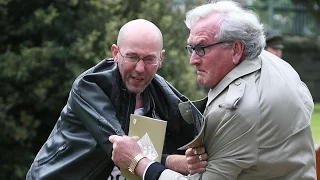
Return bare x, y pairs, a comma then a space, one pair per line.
98, 106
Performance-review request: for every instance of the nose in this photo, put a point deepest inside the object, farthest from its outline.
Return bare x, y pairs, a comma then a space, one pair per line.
140, 66
194, 58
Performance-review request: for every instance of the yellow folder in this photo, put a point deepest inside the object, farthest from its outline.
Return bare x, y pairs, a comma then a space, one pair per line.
151, 133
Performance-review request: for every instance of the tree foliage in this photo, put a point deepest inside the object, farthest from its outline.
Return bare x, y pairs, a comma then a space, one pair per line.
44, 45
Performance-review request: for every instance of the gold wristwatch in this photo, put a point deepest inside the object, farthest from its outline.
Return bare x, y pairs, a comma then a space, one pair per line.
135, 162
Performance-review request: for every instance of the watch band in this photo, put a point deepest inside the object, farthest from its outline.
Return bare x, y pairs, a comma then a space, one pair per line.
135, 162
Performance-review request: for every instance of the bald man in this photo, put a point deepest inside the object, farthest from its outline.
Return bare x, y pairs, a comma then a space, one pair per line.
100, 103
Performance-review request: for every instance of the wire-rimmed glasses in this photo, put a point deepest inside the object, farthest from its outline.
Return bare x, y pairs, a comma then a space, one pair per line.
134, 59
200, 50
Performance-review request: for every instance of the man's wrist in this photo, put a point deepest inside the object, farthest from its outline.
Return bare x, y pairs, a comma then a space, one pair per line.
177, 163
135, 162
142, 166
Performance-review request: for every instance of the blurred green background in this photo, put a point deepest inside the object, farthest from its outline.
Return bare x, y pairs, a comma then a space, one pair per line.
315, 124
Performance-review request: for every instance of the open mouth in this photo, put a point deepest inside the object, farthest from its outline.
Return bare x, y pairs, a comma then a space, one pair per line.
137, 78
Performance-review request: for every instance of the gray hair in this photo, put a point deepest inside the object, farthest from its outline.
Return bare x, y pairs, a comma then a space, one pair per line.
236, 24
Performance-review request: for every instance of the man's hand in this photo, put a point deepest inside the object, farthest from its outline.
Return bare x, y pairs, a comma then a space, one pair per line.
125, 148
177, 163
196, 160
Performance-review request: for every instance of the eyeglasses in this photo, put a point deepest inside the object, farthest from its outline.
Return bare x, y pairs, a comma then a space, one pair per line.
200, 50
134, 59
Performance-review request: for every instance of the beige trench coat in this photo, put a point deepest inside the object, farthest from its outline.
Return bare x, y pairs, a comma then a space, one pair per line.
258, 125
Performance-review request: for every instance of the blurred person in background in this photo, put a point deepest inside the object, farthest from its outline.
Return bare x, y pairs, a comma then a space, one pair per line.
274, 43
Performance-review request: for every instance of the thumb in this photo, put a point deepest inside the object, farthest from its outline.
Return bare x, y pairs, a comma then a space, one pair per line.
113, 138
136, 138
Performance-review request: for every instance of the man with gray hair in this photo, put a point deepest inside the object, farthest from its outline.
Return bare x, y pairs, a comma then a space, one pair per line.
258, 111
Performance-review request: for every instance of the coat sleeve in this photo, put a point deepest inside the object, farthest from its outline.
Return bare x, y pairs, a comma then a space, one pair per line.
231, 142
228, 154
93, 108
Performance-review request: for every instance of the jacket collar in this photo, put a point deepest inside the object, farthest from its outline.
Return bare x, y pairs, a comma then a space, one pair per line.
244, 68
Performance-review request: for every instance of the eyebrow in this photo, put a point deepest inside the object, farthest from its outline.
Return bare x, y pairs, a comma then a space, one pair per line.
200, 43
131, 54
135, 54
197, 45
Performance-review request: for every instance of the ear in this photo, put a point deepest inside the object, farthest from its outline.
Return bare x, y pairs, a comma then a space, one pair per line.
115, 51
238, 51
162, 58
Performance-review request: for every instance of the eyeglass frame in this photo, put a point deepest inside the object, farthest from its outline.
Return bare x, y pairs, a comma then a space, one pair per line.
201, 48
137, 59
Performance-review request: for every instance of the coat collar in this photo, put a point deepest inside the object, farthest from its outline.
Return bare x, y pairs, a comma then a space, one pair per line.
244, 68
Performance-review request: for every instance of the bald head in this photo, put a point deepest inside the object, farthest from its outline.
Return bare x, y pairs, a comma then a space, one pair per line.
140, 31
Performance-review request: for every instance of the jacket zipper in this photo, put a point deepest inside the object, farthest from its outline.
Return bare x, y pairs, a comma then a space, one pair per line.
50, 157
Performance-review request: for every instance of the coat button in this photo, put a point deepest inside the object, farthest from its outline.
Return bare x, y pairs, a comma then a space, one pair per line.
237, 82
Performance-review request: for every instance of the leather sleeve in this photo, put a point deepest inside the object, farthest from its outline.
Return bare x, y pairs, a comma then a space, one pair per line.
94, 109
